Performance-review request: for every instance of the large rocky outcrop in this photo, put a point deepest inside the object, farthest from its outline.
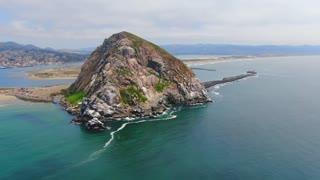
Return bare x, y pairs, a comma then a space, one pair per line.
128, 76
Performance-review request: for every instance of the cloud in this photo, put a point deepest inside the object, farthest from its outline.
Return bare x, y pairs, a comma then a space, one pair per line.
80, 23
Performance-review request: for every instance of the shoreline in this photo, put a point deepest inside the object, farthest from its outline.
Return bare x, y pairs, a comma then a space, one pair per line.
4, 97
224, 59
54, 73
34, 94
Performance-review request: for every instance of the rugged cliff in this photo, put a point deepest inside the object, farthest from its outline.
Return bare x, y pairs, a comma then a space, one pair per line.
128, 76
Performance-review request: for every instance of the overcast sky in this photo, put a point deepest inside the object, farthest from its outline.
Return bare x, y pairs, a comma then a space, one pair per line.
79, 23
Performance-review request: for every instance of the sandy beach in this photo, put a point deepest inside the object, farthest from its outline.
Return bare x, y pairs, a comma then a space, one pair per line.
55, 73
37, 94
4, 97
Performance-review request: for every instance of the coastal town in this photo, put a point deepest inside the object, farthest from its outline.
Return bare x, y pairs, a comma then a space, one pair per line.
18, 55
21, 59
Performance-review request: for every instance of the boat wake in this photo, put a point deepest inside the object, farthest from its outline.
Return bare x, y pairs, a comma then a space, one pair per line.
95, 155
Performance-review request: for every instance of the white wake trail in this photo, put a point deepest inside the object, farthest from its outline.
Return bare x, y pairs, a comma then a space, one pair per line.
95, 155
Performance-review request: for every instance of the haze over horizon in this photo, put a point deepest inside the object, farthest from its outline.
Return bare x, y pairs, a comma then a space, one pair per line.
80, 24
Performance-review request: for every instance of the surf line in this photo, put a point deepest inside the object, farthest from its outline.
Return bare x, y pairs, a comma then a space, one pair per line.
95, 155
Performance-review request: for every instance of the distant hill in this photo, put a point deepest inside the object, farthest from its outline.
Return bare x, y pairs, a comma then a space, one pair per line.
229, 49
226, 49
17, 55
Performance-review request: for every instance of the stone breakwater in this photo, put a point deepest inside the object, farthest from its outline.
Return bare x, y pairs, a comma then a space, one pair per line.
209, 84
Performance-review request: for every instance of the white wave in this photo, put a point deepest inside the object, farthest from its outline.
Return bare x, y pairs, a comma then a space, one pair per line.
215, 93
216, 87
177, 109
95, 155
196, 104
129, 119
135, 122
219, 86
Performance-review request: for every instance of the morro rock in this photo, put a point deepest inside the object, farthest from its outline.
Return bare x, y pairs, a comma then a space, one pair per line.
128, 76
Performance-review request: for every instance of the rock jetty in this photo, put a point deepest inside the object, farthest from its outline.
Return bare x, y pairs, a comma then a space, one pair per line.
209, 84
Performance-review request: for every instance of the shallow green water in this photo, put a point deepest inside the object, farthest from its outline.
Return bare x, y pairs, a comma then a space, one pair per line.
266, 127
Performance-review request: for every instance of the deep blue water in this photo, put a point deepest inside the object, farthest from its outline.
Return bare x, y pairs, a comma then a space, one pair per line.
264, 127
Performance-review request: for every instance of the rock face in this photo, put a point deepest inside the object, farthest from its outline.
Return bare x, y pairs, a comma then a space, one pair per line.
95, 124
128, 76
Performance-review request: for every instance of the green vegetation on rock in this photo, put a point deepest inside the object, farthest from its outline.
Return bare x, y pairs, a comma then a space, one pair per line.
161, 85
132, 96
74, 97
137, 41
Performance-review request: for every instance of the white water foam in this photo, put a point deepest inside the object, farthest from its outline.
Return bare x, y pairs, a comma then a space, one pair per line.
95, 155
135, 122
216, 93
196, 104
216, 87
129, 119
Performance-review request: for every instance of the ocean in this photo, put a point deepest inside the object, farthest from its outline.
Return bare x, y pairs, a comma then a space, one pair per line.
263, 127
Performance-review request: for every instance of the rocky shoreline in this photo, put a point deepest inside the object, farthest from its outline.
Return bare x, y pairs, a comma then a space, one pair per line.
96, 123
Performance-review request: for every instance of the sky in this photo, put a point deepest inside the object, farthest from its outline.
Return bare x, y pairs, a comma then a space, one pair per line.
86, 23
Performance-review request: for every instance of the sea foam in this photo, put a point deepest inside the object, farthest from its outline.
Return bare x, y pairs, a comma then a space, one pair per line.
95, 155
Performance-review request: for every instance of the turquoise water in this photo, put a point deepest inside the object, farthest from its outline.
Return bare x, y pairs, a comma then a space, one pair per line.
265, 127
